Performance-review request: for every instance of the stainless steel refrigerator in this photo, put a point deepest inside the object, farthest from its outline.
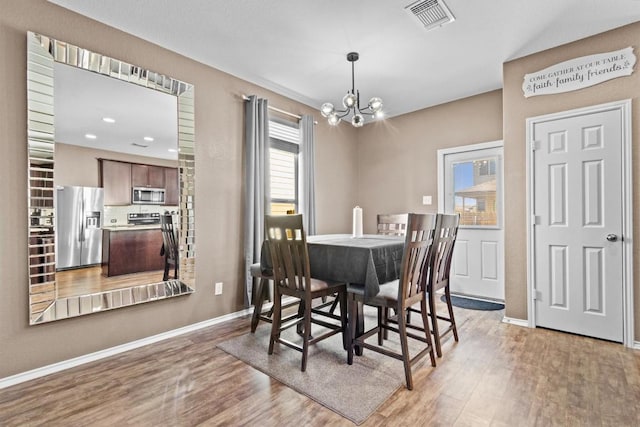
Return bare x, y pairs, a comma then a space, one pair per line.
79, 213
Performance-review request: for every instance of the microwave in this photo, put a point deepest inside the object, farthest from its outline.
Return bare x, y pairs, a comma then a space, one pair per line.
148, 196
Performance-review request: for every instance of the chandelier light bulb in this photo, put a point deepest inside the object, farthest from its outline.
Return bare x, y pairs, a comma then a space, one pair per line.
333, 119
375, 104
327, 109
378, 115
357, 120
349, 100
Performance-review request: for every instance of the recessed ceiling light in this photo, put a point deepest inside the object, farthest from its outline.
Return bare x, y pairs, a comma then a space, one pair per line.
148, 138
173, 150
108, 120
90, 136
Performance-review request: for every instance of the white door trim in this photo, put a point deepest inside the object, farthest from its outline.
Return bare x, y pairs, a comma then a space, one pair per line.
627, 209
471, 147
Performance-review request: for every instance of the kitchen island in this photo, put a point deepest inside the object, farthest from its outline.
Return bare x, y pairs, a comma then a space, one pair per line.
131, 249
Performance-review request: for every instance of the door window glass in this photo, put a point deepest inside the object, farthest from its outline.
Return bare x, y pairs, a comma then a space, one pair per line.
475, 195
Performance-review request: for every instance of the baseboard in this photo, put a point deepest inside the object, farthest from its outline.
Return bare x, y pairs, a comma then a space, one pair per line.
636, 345
517, 322
91, 357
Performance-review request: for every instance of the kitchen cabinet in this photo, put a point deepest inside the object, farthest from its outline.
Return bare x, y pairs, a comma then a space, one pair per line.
147, 176
118, 178
115, 178
128, 250
171, 186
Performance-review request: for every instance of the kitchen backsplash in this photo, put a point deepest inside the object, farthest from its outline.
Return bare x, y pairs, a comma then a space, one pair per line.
117, 215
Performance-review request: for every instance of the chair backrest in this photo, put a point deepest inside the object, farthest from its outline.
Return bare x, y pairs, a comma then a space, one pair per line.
392, 224
443, 252
418, 248
288, 250
169, 237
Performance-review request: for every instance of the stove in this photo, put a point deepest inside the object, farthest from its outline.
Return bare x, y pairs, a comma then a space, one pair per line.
143, 218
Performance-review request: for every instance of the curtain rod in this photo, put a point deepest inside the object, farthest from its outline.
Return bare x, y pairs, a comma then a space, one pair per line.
278, 110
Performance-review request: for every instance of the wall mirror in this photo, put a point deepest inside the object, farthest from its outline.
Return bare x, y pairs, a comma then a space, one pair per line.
110, 183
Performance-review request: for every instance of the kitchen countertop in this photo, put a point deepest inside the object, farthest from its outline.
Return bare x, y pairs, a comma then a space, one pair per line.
130, 227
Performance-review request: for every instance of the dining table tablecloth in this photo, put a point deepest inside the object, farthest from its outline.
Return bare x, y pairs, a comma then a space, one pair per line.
368, 261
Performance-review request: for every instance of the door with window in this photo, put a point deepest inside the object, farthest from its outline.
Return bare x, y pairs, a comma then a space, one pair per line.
470, 184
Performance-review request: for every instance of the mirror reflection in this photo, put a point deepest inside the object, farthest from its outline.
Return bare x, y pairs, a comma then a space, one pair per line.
111, 213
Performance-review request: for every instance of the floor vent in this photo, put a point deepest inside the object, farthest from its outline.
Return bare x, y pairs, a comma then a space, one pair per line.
431, 13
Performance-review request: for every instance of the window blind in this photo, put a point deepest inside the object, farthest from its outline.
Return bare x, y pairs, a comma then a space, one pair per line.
284, 132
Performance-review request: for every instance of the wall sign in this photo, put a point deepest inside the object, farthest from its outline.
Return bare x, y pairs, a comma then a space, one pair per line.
579, 73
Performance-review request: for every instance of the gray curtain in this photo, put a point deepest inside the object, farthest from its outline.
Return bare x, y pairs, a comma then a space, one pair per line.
256, 186
308, 175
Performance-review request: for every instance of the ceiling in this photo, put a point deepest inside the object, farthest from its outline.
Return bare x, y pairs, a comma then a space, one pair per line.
83, 99
298, 48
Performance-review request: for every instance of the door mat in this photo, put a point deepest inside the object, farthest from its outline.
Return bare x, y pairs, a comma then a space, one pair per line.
473, 304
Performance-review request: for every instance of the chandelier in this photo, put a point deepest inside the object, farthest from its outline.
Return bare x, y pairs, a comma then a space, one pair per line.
351, 102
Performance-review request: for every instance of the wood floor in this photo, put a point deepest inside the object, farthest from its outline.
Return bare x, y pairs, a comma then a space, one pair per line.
89, 280
497, 375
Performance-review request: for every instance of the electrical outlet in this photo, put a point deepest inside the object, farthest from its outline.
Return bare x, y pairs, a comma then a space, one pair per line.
218, 290
426, 200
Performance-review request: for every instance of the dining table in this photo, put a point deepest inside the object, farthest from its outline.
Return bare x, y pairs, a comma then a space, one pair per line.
362, 262
365, 263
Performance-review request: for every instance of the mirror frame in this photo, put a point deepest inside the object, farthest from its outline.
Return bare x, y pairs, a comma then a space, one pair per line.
44, 305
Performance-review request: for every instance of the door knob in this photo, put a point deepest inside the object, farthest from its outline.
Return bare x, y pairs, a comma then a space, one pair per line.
612, 237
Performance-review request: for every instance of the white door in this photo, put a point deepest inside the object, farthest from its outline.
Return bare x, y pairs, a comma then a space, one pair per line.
471, 184
578, 221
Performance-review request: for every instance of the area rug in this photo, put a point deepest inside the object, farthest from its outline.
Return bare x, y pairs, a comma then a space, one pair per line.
473, 304
354, 392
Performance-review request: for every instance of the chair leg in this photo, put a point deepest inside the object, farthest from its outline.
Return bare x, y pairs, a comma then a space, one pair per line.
382, 313
165, 276
301, 311
175, 270
353, 312
277, 316
258, 300
334, 304
306, 336
402, 328
346, 338
434, 323
451, 318
385, 333
427, 332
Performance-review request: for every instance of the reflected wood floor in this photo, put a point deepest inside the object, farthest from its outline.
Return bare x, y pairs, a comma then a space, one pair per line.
497, 375
89, 280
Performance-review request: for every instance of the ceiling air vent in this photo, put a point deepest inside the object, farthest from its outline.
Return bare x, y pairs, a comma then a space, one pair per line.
431, 13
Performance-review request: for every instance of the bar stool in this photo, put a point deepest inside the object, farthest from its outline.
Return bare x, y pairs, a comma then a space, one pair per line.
262, 294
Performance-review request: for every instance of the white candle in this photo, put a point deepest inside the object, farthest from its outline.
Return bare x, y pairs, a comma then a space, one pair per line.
357, 222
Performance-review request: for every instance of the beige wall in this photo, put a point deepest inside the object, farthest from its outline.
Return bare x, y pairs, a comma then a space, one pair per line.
219, 190
517, 109
397, 158
78, 166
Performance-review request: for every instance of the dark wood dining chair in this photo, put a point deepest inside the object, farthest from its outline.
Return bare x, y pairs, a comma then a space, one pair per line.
392, 224
439, 278
264, 277
400, 295
292, 276
169, 246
